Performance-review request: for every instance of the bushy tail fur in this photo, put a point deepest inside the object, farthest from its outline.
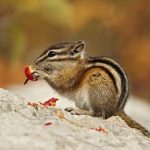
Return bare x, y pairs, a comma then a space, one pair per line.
133, 124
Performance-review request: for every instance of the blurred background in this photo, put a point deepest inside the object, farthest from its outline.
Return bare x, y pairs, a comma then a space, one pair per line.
118, 29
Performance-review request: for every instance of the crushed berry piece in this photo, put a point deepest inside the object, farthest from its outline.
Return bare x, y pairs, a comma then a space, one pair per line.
30, 74
48, 123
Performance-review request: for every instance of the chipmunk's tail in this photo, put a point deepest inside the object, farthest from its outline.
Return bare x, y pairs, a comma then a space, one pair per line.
133, 124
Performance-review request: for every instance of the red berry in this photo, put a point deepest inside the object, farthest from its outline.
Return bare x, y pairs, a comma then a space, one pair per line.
30, 74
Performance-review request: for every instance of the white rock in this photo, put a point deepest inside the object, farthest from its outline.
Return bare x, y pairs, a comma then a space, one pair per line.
22, 127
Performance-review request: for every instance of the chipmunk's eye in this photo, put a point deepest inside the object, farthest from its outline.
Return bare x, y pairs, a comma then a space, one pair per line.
51, 54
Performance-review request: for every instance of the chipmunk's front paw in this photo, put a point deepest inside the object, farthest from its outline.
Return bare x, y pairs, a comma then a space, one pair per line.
75, 111
69, 109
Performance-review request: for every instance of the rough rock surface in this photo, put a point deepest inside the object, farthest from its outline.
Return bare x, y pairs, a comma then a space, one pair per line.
23, 127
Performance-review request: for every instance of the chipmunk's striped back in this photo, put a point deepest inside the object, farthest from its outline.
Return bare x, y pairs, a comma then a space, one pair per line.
117, 74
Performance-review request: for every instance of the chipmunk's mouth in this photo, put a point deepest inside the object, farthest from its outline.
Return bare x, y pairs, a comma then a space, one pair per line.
42, 69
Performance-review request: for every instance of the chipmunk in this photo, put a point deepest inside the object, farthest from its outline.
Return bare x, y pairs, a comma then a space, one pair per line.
98, 85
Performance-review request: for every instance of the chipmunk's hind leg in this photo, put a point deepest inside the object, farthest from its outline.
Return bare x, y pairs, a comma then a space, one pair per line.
104, 111
102, 99
77, 111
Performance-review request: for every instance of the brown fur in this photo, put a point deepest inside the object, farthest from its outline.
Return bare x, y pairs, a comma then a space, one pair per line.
98, 86
91, 89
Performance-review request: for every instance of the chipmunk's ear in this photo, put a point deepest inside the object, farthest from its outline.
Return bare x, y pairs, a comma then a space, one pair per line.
78, 48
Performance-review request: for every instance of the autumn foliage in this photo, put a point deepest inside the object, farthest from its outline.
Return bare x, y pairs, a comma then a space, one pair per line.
119, 29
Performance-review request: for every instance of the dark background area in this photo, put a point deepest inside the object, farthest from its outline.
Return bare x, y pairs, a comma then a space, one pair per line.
118, 29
